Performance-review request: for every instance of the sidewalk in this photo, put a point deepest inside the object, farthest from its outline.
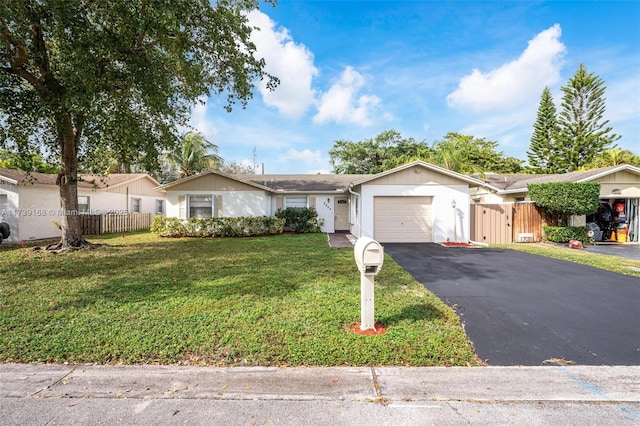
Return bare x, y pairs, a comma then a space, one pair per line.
61, 394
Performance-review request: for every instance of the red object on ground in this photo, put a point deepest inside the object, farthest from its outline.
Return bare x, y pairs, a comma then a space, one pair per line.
455, 244
575, 244
380, 330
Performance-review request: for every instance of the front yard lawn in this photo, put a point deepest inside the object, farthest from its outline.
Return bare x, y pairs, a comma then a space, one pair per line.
280, 300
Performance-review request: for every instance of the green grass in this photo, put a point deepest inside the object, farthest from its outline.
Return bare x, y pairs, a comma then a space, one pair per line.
608, 263
282, 300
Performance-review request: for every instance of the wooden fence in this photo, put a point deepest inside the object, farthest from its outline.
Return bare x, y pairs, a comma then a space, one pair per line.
507, 223
93, 224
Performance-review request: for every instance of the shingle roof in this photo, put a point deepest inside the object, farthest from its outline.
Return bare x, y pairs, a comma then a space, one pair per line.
87, 180
304, 183
513, 182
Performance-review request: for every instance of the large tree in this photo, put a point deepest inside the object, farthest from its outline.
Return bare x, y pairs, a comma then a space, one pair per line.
79, 77
387, 150
543, 152
470, 155
583, 133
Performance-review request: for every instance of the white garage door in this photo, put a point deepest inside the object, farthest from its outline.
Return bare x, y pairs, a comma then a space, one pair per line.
403, 219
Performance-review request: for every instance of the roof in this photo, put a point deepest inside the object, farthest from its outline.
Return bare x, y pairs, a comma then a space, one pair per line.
306, 183
239, 178
520, 182
86, 180
465, 178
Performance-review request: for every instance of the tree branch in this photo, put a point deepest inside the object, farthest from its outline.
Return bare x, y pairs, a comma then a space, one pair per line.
20, 56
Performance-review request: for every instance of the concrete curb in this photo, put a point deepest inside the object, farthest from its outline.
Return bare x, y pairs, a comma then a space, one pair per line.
95, 394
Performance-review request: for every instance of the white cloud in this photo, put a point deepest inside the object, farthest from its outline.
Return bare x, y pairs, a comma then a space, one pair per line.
200, 123
342, 104
306, 156
515, 82
292, 63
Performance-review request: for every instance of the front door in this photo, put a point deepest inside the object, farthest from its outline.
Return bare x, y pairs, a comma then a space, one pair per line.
341, 214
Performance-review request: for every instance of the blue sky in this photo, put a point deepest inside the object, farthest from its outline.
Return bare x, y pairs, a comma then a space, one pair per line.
352, 69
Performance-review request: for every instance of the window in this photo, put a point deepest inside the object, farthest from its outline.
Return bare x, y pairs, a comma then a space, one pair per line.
159, 206
83, 204
295, 202
200, 206
4, 202
136, 205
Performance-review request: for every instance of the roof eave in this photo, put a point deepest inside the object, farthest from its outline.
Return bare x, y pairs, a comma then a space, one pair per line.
213, 172
611, 171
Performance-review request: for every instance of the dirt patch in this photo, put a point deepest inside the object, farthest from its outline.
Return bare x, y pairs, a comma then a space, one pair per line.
379, 330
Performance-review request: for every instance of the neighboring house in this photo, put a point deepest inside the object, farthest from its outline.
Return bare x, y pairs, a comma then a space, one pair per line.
30, 202
504, 196
417, 202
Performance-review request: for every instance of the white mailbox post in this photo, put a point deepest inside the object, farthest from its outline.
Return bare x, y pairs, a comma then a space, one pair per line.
369, 256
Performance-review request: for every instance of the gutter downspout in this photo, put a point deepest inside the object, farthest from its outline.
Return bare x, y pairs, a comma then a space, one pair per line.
360, 204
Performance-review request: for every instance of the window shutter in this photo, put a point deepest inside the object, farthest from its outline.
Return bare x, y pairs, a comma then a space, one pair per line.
312, 202
217, 205
279, 201
182, 207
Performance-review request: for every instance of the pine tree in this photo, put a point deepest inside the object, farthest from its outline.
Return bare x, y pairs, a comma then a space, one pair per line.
543, 153
583, 134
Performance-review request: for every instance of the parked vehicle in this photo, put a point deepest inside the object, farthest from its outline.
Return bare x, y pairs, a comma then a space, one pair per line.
5, 230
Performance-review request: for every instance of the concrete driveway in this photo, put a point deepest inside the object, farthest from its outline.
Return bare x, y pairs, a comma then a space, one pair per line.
523, 309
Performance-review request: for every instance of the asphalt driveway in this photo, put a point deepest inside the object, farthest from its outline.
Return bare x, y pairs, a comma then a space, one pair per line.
524, 309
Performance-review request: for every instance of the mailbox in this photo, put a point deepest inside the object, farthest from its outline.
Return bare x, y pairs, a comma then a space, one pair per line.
369, 255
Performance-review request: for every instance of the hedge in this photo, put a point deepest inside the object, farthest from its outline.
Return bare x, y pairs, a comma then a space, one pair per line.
217, 226
564, 234
300, 219
564, 199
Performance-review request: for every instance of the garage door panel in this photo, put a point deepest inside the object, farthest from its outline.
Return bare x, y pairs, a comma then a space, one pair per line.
403, 219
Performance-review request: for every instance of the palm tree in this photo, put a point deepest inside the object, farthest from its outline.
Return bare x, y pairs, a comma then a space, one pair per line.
615, 157
194, 154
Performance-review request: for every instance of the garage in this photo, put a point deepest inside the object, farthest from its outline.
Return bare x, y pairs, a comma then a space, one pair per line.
407, 219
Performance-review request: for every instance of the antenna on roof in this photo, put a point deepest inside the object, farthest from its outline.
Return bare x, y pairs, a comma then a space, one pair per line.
254, 159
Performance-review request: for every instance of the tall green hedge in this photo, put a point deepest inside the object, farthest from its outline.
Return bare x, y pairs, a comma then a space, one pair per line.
563, 199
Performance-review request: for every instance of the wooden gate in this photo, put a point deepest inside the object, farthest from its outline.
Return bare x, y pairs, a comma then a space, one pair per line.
528, 220
507, 223
491, 223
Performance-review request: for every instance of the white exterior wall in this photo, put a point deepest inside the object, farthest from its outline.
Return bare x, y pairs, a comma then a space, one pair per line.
39, 207
325, 206
443, 215
33, 209
109, 202
245, 203
234, 203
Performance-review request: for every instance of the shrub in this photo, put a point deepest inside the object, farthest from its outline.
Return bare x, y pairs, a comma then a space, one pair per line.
216, 226
562, 199
564, 234
300, 219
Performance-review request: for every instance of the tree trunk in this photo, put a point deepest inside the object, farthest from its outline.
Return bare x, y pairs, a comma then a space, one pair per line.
68, 183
